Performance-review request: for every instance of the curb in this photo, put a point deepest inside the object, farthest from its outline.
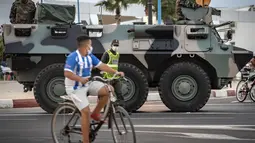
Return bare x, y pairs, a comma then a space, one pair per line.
153, 96
18, 103
223, 93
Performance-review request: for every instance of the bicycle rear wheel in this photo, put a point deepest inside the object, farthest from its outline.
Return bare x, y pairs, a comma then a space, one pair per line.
241, 93
64, 124
121, 125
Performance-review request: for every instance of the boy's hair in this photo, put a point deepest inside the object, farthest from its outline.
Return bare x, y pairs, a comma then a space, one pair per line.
82, 39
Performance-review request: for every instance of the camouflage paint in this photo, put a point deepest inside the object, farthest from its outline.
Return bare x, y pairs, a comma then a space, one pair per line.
152, 45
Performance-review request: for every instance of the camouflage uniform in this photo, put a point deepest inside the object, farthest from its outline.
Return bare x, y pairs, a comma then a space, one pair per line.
22, 13
184, 3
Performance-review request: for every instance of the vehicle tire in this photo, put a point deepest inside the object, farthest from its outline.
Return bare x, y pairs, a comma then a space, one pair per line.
49, 86
120, 126
135, 91
240, 85
184, 87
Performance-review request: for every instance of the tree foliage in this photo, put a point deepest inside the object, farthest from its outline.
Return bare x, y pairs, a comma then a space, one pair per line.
167, 8
116, 6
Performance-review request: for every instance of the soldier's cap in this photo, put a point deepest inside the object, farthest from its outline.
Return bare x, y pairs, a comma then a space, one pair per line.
115, 42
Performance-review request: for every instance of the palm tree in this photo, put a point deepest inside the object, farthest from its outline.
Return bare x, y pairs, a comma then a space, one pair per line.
167, 8
116, 6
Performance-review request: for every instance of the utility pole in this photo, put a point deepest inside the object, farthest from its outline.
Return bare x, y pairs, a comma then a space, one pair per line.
101, 15
159, 12
150, 12
78, 9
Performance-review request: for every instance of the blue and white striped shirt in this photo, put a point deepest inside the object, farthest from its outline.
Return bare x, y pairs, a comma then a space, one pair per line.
81, 66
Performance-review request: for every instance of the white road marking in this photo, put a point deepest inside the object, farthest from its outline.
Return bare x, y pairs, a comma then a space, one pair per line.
211, 136
190, 135
18, 119
204, 127
201, 127
246, 101
227, 97
184, 118
209, 104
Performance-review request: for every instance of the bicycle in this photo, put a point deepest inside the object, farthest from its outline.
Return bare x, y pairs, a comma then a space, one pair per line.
110, 111
246, 89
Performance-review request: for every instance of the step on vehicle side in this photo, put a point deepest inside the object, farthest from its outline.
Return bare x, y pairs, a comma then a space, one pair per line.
185, 61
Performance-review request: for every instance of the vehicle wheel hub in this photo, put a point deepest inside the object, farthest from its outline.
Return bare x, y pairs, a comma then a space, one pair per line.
128, 89
184, 87
55, 89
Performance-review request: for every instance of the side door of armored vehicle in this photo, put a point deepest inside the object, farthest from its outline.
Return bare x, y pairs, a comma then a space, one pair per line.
197, 38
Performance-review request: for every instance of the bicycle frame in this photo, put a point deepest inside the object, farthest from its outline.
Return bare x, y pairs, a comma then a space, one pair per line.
110, 108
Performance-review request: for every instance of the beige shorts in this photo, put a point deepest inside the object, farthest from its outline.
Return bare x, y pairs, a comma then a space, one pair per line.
79, 96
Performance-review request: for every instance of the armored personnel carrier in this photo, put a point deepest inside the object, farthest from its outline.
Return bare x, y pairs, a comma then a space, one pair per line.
185, 60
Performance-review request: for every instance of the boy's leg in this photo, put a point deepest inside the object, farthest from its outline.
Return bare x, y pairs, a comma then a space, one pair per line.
101, 90
83, 106
85, 124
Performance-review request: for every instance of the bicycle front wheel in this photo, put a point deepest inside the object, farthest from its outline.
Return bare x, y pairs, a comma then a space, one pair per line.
241, 93
252, 93
122, 127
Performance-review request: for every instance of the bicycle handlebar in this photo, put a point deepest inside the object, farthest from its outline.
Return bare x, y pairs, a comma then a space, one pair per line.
106, 80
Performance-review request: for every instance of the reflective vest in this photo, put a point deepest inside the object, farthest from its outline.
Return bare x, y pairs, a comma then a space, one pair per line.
113, 63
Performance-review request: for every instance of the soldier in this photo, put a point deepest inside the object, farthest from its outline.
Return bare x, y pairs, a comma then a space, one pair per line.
22, 12
111, 58
184, 3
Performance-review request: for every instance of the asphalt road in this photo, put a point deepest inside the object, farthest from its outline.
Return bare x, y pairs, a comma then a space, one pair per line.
221, 120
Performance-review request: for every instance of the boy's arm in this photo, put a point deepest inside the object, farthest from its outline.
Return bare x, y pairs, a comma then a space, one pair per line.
105, 58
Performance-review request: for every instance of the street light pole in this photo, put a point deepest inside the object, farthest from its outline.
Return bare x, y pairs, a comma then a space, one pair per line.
159, 12
150, 12
78, 9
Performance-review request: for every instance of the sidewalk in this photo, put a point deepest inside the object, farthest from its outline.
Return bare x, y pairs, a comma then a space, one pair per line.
12, 95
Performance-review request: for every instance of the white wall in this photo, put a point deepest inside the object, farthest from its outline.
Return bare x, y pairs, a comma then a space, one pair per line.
244, 35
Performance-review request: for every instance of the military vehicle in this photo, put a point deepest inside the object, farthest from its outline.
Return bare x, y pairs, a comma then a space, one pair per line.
185, 60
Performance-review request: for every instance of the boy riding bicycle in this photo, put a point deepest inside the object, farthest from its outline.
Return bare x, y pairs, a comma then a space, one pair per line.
77, 71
